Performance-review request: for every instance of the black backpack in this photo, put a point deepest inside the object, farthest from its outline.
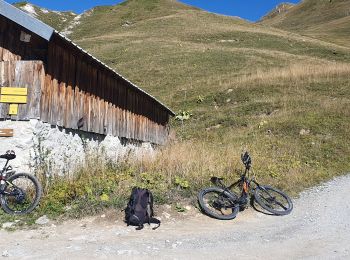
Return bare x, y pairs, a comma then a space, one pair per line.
140, 209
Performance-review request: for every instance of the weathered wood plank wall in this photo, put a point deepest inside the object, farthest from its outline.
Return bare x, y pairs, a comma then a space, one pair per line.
23, 74
82, 94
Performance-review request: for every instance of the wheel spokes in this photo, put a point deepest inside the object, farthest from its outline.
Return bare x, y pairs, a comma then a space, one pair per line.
19, 194
218, 203
272, 200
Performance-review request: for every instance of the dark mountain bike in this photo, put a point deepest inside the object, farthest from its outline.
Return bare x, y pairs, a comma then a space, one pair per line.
224, 202
19, 192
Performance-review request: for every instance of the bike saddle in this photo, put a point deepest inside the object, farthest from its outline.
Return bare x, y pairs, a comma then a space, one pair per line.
9, 155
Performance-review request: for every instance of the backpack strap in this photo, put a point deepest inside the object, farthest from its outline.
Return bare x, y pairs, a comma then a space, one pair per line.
150, 195
154, 221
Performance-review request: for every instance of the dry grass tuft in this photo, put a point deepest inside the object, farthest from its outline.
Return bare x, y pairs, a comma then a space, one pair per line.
296, 73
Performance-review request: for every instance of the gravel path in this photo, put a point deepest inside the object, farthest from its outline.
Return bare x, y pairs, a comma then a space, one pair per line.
318, 228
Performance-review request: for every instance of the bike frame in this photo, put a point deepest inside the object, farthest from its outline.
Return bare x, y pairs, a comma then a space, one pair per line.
244, 182
4, 172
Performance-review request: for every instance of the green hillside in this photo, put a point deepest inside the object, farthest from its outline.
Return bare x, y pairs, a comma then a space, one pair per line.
324, 19
232, 76
283, 96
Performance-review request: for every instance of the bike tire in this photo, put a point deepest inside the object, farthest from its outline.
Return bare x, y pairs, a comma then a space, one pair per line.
25, 186
273, 200
218, 211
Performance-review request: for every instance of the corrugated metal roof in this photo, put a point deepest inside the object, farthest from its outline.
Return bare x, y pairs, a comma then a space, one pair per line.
46, 32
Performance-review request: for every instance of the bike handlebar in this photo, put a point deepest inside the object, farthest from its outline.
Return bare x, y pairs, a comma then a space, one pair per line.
246, 159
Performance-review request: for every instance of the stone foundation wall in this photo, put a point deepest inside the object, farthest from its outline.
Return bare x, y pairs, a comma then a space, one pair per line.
62, 151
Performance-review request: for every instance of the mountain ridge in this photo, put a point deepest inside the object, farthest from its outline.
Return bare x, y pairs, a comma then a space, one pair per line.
327, 20
278, 10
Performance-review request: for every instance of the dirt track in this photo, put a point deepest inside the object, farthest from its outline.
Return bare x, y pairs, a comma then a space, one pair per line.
318, 227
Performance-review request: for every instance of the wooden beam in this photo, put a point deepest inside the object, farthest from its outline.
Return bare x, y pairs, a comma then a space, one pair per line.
6, 132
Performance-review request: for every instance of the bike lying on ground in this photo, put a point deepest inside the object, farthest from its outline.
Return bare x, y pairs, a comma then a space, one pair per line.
19, 192
222, 202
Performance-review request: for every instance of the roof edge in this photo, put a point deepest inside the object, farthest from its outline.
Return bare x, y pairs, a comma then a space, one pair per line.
25, 20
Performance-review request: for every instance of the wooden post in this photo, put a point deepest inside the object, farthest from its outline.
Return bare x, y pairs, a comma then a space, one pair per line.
6, 132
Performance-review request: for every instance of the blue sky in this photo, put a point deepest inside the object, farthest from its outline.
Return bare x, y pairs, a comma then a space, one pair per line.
251, 10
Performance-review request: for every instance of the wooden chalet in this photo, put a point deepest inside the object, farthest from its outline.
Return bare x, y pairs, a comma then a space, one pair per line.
68, 87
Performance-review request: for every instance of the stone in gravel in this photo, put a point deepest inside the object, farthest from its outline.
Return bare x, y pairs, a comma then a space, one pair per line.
42, 220
5, 254
7, 224
188, 207
166, 215
304, 132
103, 216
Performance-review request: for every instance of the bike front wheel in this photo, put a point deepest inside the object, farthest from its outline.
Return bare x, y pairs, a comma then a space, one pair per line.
273, 200
21, 194
216, 203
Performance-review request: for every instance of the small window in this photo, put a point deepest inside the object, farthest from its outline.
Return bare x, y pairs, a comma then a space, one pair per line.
25, 37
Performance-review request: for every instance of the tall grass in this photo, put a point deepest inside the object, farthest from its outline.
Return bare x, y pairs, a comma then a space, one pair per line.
295, 73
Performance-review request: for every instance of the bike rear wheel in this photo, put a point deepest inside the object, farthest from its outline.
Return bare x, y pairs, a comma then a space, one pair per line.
216, 203
21, 194
273, 200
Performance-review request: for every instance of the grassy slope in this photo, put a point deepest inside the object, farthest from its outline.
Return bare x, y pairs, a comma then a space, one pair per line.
283, 96
183, 55
58, 20
180, 54
325, 20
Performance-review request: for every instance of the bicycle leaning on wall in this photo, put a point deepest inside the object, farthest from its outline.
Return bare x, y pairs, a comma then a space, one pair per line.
19, 192
224, 202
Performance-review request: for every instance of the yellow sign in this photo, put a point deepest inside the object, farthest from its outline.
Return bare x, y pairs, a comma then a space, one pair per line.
14, 91
13, 109
13, 99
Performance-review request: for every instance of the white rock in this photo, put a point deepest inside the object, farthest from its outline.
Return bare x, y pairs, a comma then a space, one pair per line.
28, 8
62, 151
5, 254
42, 220
304, 132
7, 224
166, 215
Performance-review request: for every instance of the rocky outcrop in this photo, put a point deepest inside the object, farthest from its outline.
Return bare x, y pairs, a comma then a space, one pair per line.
61, 151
